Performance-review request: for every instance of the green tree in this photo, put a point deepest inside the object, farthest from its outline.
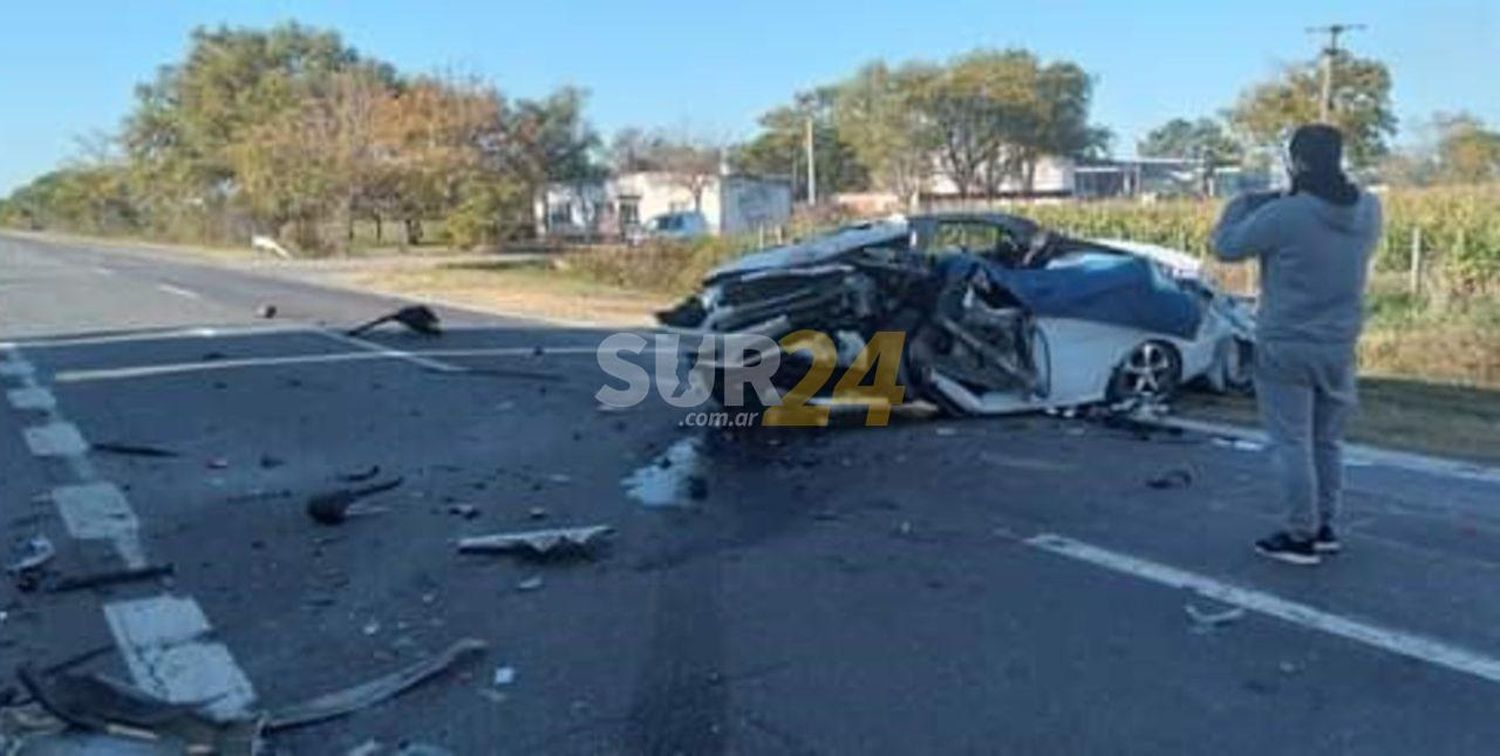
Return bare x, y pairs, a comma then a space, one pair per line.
1467, 152
1204, 140
1266, 114
780, 149
877, 112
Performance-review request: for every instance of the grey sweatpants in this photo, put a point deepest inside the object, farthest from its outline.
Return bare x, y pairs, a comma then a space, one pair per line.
1305, 393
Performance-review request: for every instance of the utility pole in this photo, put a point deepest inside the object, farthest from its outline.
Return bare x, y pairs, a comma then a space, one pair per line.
1325, 103
812, 171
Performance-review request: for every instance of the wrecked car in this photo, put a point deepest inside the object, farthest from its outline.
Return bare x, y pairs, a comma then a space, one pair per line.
999, 314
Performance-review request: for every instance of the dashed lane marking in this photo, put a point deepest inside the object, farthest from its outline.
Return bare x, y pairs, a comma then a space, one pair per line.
179, 291
99, 511
55, 439
1410, 645
166, 645
31, 398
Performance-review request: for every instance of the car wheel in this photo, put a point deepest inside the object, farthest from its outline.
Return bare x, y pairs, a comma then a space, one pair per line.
1152, 370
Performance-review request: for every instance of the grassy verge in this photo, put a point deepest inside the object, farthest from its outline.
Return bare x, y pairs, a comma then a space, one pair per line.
1395, 413
535, 291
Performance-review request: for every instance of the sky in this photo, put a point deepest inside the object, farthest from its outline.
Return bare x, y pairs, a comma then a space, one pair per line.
68, 68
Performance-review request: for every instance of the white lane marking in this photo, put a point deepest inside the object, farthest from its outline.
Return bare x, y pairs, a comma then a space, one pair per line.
161, 639
1399, 642
100, 511
179, 291
1355, 455
164, 642
176, 333
55, 439
31, 398
143, 371
426, 362
15, 367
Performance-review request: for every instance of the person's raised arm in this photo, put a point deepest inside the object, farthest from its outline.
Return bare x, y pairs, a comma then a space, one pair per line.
1248, 226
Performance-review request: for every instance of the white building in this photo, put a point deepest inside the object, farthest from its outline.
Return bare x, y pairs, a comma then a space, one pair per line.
730, 203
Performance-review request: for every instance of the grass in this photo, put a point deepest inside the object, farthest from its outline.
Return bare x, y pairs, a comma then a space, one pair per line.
528, 290
1395, 413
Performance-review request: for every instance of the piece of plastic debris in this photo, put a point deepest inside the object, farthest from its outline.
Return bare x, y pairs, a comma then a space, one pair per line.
217, 463
530, 584
361, 476
1205, 620
418, 318
103, 705
334, 507
466, 511
372, 627
266, 311
132, 450
367, 694
505, 675
1239, 444
38, 551
538, 542
1178, 478
111, 577
537, 513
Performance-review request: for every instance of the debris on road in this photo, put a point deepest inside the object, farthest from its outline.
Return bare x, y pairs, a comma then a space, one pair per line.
128, 716
504, 676
217, 463
350, 700
132, 450
270, 462
1204, 620
550, 542
530, 584
537, 513
466, 511
334, 507
266, 311
111, 577
1238, 444
362, 476
672, 478
1178, 478
418, 318
37, 552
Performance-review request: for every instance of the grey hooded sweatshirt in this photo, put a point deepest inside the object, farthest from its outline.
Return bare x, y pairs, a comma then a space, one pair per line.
1314, 257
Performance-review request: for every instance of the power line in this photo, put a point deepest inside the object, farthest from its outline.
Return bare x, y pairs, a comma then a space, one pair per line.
1330, 54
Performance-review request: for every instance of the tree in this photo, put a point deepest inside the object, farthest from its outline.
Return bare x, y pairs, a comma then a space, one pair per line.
1266, 114
985, 110
877, 113
1059, 123
780, 149
1467, 152
1203, 140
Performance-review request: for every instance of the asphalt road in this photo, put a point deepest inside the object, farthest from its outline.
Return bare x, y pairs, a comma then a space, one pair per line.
977, 586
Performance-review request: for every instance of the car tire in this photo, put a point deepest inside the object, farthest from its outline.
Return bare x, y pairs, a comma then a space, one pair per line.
1150, 371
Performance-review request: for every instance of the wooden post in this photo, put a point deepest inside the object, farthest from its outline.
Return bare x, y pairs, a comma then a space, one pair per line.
1414, 274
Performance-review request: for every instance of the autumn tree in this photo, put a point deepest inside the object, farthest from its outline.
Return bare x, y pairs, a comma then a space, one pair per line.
1266, 114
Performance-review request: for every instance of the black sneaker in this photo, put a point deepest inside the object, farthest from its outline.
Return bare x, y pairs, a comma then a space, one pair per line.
1326, 541
1284, 547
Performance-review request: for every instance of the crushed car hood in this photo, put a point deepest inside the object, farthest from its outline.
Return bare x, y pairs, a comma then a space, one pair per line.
816, 250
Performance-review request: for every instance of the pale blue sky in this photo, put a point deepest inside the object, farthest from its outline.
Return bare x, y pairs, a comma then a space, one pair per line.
67, 68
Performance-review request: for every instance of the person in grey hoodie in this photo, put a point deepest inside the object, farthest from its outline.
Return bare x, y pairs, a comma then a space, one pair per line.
1314, 244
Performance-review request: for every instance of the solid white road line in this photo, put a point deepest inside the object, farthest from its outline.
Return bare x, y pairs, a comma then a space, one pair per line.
179, 291
100, 511
415, 359
145, 371
31, 398
161, 335
55, 439
1399, 642
164, 642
